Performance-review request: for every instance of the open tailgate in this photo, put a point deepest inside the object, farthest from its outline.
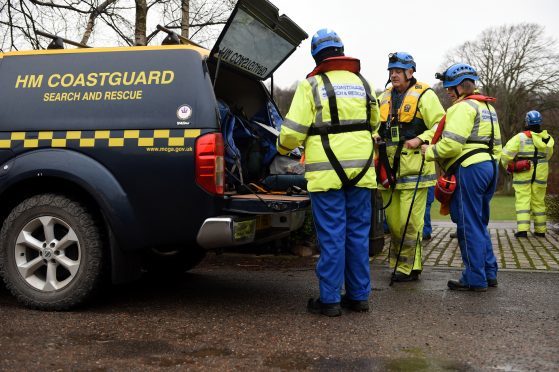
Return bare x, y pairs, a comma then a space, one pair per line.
256, 39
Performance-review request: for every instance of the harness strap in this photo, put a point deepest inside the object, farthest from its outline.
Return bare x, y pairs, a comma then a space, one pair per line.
335, 121
535, 161
329, 129
454, 167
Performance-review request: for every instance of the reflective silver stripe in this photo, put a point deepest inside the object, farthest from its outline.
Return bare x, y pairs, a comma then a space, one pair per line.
408, 179
317, 103
540, 161
458, 138
435, 152
472, 103
521, 182
526, 153
413, 93
523, 211
474, 136
509, 153
540, 182
403, 259
523, 222
342, 122
540, 224
283, 147
323, 166
295, 126
538, 214
484, 139
475, 129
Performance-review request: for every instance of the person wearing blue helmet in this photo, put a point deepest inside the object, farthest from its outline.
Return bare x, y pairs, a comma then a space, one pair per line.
333, 114
325, 44
467, 146
409, 112
526, 156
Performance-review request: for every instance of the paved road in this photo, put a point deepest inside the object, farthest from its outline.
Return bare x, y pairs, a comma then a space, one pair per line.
248, 313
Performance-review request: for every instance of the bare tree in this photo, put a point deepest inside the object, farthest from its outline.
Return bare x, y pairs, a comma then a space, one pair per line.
518, 65
107, 22
283, 97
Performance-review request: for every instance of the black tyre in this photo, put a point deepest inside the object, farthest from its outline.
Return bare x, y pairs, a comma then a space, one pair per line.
51, 252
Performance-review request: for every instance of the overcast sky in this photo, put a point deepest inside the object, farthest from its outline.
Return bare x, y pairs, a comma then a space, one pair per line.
426, 29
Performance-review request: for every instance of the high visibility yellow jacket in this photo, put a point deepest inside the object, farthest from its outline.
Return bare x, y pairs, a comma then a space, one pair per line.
468, 127
523, 147
419, 113
310, 106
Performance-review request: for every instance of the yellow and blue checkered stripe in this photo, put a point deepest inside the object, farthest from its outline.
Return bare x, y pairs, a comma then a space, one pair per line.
97, 138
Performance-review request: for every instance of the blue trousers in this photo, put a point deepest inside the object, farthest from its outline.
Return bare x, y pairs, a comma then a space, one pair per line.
342, 220
469, 209
427, 228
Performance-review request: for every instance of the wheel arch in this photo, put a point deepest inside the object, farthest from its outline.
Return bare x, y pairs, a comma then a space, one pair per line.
84, 179
73, 173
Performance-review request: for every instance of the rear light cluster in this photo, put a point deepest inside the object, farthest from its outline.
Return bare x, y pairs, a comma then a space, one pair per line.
210, 164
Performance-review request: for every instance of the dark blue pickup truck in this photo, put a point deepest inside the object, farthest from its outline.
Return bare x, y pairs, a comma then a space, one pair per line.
114, 158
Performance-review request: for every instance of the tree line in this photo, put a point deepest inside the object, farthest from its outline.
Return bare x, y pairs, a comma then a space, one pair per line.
108, 22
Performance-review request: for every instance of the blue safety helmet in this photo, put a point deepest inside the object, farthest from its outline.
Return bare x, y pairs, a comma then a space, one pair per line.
325, 38
533, 118
456, 74
401, 60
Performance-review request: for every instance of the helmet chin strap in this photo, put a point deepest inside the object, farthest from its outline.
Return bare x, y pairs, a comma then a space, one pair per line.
456, 91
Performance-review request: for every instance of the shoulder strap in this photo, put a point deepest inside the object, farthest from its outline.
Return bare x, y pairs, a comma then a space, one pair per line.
418, 100
535, 161
331, 94
368, 97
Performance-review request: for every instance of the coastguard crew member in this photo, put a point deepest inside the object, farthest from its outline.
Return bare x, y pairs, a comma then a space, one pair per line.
333, 114
409, 113
469, 149
525, 156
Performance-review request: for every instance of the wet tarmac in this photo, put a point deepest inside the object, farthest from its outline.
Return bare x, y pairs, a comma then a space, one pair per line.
248, 313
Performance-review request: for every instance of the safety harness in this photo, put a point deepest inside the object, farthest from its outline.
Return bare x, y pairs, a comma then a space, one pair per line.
394, 129
446, 183
351, 65
523, 163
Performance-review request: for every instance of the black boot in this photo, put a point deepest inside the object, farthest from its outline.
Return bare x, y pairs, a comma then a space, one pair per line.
354, 305
315, 306
456, 285
521, 234
401, 277
539, 235
492, 282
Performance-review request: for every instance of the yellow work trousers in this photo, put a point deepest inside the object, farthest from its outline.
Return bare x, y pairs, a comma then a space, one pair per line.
530, 202
396, 216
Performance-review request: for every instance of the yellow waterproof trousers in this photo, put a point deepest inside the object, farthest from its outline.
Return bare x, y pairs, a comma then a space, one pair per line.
396, 216
530, 202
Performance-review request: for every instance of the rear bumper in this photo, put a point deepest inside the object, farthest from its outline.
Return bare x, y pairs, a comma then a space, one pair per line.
228, 231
